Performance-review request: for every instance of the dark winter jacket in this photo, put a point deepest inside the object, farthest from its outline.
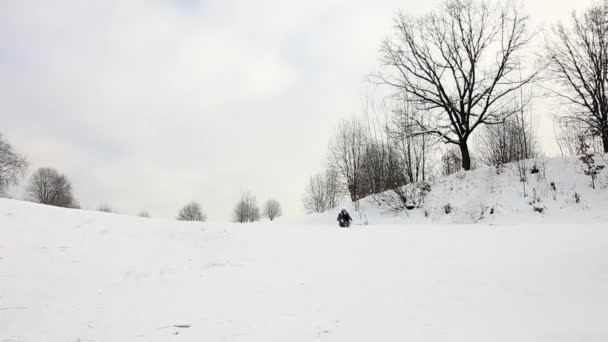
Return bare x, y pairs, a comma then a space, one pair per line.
344, 216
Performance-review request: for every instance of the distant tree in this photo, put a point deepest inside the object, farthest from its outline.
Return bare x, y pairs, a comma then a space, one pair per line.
272, 209
12, 165
105, 208
577, 56
144, 213
458, 65
48, 186
246, 209
191, 212
322, 193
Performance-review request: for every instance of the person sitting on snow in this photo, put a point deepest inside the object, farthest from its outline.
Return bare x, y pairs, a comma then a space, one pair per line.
344, 218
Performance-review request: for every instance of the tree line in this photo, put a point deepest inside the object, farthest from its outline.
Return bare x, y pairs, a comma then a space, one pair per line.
467, 67
48, 186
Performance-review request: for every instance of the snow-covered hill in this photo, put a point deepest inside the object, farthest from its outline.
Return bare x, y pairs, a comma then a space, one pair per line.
487, 196
70, 275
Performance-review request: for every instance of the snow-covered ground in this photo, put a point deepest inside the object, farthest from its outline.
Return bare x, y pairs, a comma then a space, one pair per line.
487, 196
69, 275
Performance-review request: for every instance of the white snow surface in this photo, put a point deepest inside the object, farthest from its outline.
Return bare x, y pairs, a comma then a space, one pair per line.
74, 275
70, 275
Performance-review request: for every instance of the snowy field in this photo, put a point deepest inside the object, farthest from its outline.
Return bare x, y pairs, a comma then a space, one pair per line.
70, 276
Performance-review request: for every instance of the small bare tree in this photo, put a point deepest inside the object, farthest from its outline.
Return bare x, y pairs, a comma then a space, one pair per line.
105, 208
322, 193
246, 209
272, 209
347, 156
381, 168
414, 149
577, 57
569, 132
590, 168
12, 165
191, 212
406, 159
48, 186
508, 142
458, 65
144, 213
333, 188
451, 162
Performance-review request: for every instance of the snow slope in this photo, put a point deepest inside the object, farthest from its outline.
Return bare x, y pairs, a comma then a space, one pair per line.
485, 196
69, 275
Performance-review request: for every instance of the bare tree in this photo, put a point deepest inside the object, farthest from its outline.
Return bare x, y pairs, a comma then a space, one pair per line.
381, 167
322, 193
333, 188
578, 60
347, 156
191, 212
144, 213
380, 157
408, 161
12, 165
508, 142
413, 149
105, 208
568, 134
590, 168
314, 196
48, 186
272, 209
246, 209
451, 162
459, 66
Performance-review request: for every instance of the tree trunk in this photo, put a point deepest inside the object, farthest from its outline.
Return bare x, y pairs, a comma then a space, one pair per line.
466, 156
605, 140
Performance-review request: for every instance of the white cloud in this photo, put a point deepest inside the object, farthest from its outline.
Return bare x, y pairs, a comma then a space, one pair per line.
149, 104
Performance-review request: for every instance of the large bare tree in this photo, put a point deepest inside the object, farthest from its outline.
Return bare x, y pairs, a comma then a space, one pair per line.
459, 65
48, 186
578, 60
12, 165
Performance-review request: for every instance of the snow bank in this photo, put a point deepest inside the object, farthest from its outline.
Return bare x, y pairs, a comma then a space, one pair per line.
69, 275
487, 196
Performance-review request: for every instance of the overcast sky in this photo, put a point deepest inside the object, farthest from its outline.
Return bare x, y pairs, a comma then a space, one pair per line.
148, 104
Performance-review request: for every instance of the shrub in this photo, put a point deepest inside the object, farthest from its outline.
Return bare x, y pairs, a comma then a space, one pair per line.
191, 212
